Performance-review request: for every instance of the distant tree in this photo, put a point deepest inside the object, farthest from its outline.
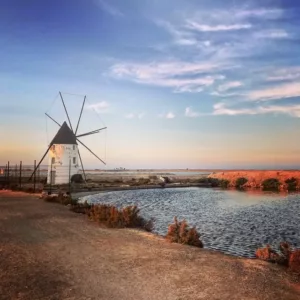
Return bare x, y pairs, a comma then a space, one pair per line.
271, 184
240, 182
291, 184
224, 183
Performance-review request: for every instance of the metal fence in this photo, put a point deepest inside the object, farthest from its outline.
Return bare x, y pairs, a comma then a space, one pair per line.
17, 175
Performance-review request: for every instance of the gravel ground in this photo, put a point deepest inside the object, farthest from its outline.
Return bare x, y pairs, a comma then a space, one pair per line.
48, 252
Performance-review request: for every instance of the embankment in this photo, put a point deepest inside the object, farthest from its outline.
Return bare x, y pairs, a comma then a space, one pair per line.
256, 177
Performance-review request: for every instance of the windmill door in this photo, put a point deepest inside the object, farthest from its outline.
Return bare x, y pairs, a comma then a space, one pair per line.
52, 177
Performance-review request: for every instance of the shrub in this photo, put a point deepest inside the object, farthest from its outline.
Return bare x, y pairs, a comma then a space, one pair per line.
270, 255
214, 182
224, 183
61, 198
271, 184
113, 217
240, 182
81, 208
77, 178
294, 261
179, 232
291, 184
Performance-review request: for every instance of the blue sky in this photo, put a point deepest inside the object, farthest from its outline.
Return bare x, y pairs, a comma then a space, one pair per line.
180, 84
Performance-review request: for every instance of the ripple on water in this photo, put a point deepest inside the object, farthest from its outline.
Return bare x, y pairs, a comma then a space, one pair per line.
229, 221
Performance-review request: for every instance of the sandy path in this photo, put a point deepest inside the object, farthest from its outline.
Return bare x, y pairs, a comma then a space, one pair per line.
47, 252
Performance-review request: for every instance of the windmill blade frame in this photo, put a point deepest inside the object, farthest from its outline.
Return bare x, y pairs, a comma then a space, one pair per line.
91, 132
66, 111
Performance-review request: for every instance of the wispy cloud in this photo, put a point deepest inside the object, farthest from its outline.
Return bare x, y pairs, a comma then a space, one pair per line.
135, 115
190, 113
229, 85
204, 27
176, 75
271, 13
109, 8
272, 34
291, 110
99, 107
290, 73
168, 115
282, 91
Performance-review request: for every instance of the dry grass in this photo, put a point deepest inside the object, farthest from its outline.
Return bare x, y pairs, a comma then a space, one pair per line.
179, 232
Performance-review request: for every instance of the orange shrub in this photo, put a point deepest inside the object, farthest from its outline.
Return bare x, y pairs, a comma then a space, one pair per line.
113, 217
294, 261
179, 232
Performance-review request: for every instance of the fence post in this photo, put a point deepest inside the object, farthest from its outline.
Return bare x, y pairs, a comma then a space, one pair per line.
20, 178
34, 177
51, 178
70, 176
8, 182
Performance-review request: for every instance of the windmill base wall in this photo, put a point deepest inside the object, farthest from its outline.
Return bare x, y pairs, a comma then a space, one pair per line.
61, 163
62, 175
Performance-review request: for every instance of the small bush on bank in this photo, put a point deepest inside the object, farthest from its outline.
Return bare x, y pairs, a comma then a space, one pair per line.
271, 184
77, 178
291, 184
81, 208
113, 217
286, 257
224, 183
215, 182
240, 182
179, 232
294, 261
61, 199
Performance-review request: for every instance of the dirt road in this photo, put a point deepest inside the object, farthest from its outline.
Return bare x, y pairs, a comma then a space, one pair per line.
48, 252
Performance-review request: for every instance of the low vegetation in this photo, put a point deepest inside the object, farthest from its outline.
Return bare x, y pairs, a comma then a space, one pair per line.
111, 216
240, 182
224, 183
271, 184
291, 184
286, 256
179, 232
61, 199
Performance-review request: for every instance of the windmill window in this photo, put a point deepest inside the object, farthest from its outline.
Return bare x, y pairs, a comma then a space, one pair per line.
73, 147
53, 160
74, 160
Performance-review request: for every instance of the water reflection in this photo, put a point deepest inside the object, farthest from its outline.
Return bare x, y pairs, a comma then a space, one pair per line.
235, 222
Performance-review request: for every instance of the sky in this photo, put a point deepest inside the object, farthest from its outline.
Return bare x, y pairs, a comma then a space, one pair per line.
178, 83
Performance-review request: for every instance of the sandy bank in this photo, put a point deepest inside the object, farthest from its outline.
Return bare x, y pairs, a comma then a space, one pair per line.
48, 252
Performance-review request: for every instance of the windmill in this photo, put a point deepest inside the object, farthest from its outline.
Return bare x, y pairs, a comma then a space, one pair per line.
64, 151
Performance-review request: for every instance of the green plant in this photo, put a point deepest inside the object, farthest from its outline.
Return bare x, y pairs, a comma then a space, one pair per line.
240, 182
179, 232
271, 184
291, 184
224, 183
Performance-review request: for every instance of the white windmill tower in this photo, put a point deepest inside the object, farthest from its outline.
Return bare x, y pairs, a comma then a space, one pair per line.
64, 151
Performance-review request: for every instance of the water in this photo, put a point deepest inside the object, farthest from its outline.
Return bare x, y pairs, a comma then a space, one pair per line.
233, 222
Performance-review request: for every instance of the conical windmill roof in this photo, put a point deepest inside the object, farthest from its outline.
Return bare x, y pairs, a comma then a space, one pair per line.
64, 136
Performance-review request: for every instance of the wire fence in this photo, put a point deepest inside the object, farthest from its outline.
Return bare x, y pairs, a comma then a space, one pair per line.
22, 177
16, 176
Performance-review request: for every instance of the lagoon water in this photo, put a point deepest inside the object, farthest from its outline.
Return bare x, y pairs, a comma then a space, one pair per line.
233, 222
